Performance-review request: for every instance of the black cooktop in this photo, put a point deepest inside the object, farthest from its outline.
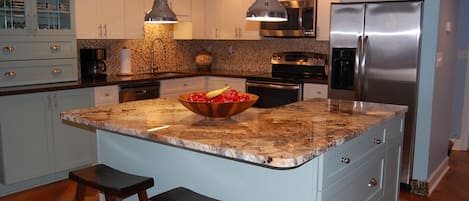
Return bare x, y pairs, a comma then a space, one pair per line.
287, 78
295, 67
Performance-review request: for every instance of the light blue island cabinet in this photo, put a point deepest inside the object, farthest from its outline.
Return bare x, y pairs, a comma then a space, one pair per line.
36, 146
317, 149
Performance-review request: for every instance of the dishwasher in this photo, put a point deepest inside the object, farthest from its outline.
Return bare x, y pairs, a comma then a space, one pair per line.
138, 91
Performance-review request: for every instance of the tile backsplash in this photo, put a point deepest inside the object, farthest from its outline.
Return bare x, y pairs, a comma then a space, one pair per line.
176, 55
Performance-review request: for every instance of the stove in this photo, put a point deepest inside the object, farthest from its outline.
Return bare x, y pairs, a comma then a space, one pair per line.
285, 83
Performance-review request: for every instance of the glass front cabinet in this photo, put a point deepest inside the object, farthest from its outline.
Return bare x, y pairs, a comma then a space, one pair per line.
36, 17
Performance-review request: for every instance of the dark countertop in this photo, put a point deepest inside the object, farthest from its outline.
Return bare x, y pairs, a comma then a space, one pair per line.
114, 80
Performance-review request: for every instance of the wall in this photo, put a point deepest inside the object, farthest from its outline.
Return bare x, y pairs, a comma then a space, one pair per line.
444, 76
460, 71
437, 72
176, 55
425, 89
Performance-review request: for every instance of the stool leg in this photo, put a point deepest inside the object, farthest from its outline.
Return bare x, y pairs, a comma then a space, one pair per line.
112, 198
142, 196
80, 194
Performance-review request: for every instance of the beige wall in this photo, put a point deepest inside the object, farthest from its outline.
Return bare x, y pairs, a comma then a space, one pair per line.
233, 56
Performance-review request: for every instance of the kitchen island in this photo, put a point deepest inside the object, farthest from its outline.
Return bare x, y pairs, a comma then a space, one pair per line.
318, 149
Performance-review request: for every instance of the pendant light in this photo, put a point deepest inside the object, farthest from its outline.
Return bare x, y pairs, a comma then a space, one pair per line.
160, 13
267, 10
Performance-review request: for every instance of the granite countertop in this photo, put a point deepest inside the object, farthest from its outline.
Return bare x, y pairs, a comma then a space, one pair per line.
282, 137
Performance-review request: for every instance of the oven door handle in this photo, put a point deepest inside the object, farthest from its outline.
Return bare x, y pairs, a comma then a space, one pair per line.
274, 86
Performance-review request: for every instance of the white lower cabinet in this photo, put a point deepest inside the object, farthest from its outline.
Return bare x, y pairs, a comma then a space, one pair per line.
106, 95
219, 82
176, 87
366, 168
35, 142
314, 91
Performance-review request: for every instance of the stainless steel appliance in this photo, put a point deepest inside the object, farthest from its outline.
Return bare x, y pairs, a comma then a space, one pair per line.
285, 84
138, 91
93, 65
374, 50
301, 20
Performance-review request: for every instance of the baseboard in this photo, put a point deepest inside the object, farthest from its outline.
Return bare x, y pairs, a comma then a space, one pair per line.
426, 187
459, 144
437, 175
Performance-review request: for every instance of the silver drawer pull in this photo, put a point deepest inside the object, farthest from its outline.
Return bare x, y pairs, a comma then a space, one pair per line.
55, 47
56, 70
345, 160
377, 141
372, 182
9, 49
10, 74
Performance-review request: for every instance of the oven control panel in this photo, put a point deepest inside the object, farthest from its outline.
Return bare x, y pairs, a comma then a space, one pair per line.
299, 58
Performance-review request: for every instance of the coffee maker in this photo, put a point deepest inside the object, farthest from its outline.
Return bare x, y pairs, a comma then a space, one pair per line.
92, 63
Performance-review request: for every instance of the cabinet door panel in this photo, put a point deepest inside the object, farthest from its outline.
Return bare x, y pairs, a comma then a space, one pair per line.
112, 17
25, 139
74, 145
87, 23
134, 16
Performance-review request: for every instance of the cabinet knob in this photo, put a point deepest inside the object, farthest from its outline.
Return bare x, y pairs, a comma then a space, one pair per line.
107, 94
185, 84
10, 74
345, 160
373, 182
318, 92
56, 70
55, 47
9, 49
377, 141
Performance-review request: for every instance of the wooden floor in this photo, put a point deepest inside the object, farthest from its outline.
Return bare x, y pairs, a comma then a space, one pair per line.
453, 187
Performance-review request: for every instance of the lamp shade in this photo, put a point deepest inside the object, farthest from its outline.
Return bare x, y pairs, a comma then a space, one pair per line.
160, 13
267, 10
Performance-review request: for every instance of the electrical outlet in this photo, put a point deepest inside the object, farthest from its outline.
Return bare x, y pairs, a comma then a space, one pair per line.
463, 54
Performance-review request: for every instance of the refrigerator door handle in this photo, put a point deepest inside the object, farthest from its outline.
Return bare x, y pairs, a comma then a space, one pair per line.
362, 68
356, 80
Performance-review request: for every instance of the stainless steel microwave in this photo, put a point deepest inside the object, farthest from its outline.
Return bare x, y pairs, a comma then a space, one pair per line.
301, 20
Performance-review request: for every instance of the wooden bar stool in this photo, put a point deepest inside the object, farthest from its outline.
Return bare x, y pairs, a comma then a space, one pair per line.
117, 185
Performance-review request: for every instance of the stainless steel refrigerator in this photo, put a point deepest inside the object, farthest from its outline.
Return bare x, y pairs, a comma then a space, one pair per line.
374, 50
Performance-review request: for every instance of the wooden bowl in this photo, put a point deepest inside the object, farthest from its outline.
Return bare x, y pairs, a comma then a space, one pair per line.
217, 110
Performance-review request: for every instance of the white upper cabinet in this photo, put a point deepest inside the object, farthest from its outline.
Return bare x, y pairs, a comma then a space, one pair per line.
182, 9
192, 25
219, 20
109, 19
324, 19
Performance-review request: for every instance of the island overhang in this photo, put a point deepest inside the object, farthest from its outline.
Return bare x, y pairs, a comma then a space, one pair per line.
282, 137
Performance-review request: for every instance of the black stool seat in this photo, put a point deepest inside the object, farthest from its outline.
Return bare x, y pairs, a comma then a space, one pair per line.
180, 194
117, 185
112, 182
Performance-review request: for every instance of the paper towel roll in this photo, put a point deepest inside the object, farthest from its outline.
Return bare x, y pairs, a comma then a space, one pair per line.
126, 68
